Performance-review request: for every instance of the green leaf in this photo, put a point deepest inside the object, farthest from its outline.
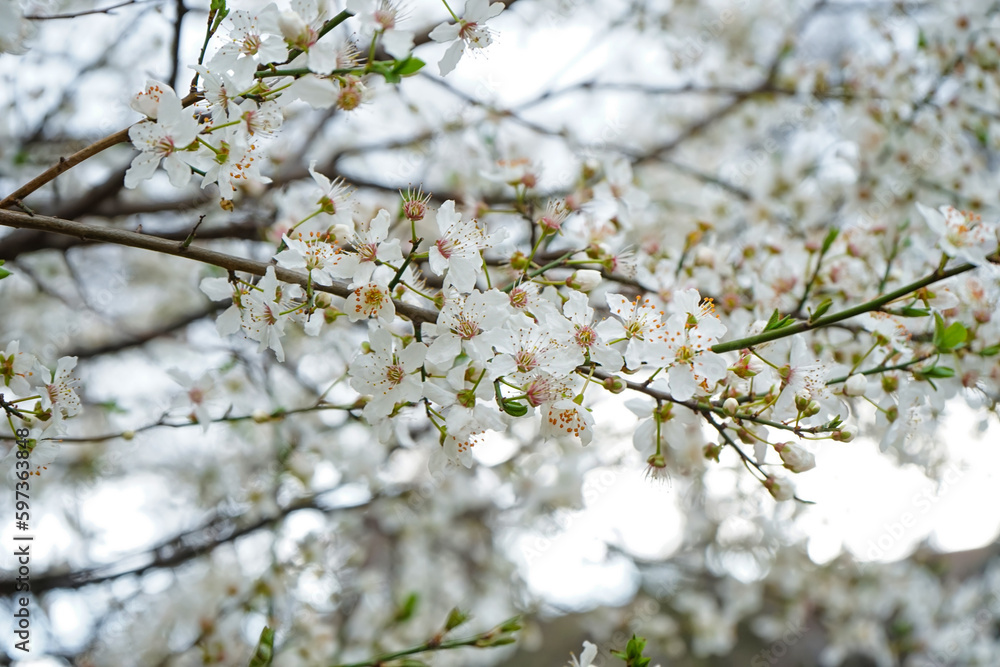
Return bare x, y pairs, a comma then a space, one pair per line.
934, 372
405, 610
954, 336
831, 236
910, 311
456, 617
512, 624
265, 649
777, 321
990, 351
821, 309
409, 67
3, 272
632, 655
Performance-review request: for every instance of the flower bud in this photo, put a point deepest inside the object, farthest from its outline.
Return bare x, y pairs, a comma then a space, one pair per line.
780, 488
843, 435
712, 451
519, 261
614, 384
731, 406
745, 368
795, 457
584, 280
856, 385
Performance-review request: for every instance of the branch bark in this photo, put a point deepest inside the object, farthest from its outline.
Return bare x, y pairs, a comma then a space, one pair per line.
88, 232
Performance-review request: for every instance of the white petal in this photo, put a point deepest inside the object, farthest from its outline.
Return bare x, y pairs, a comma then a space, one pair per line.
451, 58
323, 56
143, 167
398, 43
445, 32
178, 170
317, 93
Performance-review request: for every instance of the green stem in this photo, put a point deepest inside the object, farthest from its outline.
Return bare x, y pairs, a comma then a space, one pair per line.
874, 304
406, 262
302, 71
551, 265
453, 14
475, 641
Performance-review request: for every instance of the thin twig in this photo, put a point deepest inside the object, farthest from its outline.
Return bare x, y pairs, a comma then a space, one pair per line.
73, 15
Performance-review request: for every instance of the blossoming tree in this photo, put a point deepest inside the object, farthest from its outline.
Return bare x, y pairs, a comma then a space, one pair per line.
335, 335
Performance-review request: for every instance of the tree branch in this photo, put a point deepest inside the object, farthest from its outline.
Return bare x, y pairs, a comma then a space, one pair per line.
122, 237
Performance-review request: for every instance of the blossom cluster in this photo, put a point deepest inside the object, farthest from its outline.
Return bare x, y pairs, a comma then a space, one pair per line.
39, 399
479, 346
243, 93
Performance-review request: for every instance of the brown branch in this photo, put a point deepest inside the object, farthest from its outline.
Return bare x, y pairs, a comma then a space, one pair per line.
65, 164
23, 242
196, 253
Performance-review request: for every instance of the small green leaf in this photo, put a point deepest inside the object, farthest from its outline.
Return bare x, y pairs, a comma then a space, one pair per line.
777, 321
409, 67
3, 272
821, 309
406, 610
831, 236
775, 316
512, 624
954, 336
265, 649
456, 617
910, 311
990, 351
632, 655
934, 372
